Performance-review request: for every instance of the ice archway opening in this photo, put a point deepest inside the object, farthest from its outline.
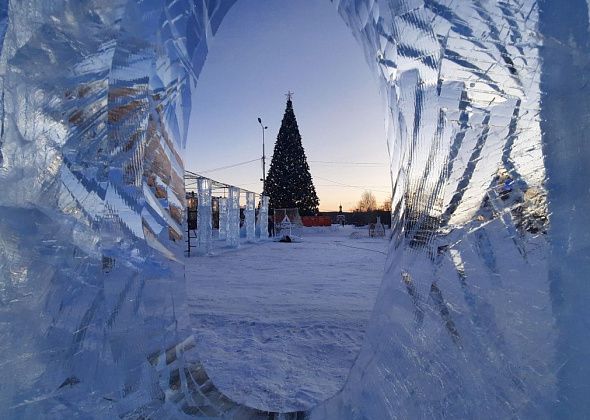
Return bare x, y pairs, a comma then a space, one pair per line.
281, 325
482, 307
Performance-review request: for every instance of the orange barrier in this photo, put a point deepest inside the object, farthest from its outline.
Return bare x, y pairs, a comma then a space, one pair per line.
310, 221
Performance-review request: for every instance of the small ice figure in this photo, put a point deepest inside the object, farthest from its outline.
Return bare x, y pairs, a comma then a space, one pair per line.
379, 228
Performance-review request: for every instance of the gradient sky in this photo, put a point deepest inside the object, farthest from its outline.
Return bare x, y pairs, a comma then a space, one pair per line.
263, 49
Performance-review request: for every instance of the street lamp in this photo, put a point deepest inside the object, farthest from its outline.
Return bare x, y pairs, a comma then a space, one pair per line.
263, 157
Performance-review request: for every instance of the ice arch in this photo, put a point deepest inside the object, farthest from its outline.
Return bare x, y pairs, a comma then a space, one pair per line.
483, 309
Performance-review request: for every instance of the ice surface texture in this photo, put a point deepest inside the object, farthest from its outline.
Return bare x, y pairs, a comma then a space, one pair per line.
483, 310
233, 217
222, 218
205, 217
250, 216
262, 224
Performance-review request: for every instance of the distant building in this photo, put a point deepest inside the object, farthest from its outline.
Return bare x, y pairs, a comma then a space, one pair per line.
340, 217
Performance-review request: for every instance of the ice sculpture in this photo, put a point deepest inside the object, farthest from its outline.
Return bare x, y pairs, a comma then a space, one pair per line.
379, 230
204, 214
484, 304
465, 323
223, 218
250, 216
233, 217
91, 205
263, 217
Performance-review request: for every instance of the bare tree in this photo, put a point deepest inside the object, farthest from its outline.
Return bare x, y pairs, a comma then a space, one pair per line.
368, 202
387, 204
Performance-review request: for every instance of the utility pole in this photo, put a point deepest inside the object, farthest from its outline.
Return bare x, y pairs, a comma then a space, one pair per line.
263, 179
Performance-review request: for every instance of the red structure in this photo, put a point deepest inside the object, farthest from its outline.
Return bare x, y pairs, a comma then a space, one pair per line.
316, 221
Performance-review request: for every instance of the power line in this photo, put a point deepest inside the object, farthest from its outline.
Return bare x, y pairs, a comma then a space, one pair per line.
322, 162
336, 183
229, 166
325, 162
252, 183
360, 187
350, 186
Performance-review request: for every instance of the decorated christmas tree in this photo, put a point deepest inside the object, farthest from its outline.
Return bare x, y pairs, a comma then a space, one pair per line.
289, 182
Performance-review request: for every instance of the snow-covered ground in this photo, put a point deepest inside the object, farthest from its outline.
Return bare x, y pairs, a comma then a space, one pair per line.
279, 325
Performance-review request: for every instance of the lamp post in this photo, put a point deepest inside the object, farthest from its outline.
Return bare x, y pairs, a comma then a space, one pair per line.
263, 157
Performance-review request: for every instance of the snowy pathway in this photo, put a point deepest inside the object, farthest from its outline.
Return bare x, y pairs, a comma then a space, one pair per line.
279, 325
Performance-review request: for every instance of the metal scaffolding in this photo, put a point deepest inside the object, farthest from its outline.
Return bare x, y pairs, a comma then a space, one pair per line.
221, 196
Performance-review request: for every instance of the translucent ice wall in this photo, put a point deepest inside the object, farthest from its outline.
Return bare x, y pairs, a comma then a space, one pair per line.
483, 308
482, 300
233, 217
223, 222
263, 217
94, 105
204, 217
250, 216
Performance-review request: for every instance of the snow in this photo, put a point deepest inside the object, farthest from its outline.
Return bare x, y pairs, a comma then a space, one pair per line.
478, 316
279, 325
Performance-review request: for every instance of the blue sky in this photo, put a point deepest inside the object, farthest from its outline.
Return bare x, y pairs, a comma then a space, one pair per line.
263, 49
